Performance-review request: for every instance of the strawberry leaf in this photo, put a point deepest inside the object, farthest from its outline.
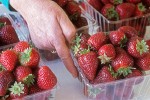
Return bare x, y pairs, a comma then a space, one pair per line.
29, 80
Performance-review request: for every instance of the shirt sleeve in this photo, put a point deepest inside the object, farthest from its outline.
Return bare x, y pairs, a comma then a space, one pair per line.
5, 3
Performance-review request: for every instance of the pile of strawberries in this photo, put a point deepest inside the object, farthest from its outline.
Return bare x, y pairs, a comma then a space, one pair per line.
105, 57
73, 11
20, 73
8, 34
121, 9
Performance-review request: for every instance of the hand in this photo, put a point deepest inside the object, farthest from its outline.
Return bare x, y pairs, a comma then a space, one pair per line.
50, 28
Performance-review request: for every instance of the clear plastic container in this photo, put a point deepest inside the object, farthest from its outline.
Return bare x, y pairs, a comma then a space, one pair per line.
18, 24
136, 88
44, 95
106, 25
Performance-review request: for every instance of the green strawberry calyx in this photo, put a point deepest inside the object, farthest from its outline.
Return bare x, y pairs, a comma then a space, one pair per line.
142, 47
25, 56
76, 44
29, 80
112, 72
141, 7
112, 13
104, 59
2, 68
123, 41
17, 88
116, 2
124, 71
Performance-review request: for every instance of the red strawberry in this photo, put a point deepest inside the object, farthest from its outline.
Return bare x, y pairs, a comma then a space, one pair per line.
109, 12
34, 89
144, 62
5, 20
106, 53
125, 10
6, 79
18, 90
24, 74
80, 43
73, 10
46, 78
97, 40
134, 1
8, 35
88, 62
104, 75
146, 2
140, 9
30, 57
21, 46
8, 59
123, 63
61, 3
137, 47
80, 22
116, 2
105, 1
129, 31
117, 38
148, 43
96, 4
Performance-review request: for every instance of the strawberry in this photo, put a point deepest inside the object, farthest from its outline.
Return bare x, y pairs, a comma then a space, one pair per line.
8, 35
144, 62
117, 38
73, 10
109, 12
116, 2
125, 10
137, 47
18, 90
97, 40
21, 46
46, 78
105, 1
146, 2
104, 75
128, 30
5, 20
80, 43
30, 57
8, 59
96, 4
140, 9
24, 74
6, 80
34, 89
123, 63
80, 22
88, 62
134, 1
61, 3
148, 43
106, 53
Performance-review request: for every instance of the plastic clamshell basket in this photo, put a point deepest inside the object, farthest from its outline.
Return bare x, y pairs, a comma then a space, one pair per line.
45, 94
136, 88
106, 25
18, 24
